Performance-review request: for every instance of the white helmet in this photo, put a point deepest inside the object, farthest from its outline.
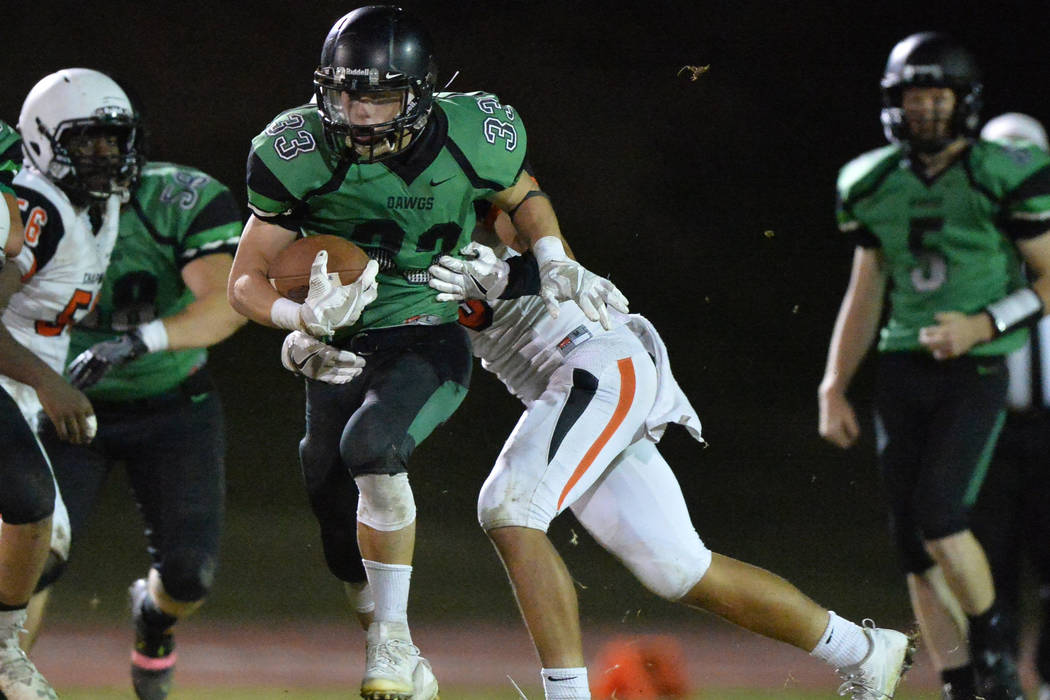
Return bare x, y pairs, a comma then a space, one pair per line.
76, 103
1014, 126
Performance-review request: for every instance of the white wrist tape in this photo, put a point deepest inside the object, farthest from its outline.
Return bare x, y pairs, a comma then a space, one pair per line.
548, 248
285, 314
154, 335
1018, 309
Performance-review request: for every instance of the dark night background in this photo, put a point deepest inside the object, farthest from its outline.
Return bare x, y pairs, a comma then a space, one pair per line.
709, 203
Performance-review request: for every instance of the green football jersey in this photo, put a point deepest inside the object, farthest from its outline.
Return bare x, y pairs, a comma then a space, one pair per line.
404, 211
10, 156
176, 215
947, 242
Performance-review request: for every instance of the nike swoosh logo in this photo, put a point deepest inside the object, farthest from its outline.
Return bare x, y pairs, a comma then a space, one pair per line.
435, 183
299, 365
567, 678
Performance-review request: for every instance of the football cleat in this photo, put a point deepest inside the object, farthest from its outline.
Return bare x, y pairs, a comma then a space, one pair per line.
997, 676
877, 675
391, 662
153, 656
424, 684
994, 663
19, 679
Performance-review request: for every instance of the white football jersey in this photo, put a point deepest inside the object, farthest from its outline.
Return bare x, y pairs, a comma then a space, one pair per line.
522, 344
62, 264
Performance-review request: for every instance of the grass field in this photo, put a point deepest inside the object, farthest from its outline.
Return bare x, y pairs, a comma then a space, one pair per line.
446, 694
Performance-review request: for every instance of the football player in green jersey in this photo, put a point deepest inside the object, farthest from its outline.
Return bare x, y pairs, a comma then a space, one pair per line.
141, 358
1010, 518
384, 161
940, 220
10, 220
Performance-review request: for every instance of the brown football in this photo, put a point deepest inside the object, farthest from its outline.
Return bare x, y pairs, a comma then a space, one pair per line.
289, 272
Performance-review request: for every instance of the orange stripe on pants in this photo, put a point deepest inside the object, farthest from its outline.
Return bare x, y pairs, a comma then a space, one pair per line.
626, 367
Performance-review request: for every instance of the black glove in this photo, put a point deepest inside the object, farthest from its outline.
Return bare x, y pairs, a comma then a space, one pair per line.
90, 366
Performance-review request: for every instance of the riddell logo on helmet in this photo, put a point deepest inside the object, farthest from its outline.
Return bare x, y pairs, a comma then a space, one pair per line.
110, 111
934, 72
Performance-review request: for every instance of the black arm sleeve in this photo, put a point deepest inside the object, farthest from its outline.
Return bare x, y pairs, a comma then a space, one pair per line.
524, 278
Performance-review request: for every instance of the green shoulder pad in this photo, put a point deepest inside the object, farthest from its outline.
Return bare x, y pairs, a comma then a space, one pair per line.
858, 176
188, 206
489, 134
10, 156
1002, 166
288, 160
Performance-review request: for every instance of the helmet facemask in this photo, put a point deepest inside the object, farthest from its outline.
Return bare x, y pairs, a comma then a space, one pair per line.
95, 158
930, 60
337, 88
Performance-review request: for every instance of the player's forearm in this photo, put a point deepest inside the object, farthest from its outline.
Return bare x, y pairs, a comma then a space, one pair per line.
18, 363
249, 290
854, 333
205, 322
535, 219
857, 322
252, 296
14, 236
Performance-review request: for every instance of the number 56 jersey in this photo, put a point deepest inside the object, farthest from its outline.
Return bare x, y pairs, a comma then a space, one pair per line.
404, 211
62, 263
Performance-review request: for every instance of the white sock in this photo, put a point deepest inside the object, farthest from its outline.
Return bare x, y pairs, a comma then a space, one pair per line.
360, 596
842, 644
389, 584
565, 684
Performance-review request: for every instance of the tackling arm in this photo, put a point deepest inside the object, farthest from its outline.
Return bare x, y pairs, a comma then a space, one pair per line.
561, 278
534, 217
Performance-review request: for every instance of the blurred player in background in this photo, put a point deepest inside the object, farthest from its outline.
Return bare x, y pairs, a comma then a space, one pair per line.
1011, 517
936, 216
79, 161
141, 358
10, 219
383, 161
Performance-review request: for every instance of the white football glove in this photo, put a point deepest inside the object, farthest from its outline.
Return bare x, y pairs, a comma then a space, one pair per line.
307, 356
329, 306
482, 275
567, 280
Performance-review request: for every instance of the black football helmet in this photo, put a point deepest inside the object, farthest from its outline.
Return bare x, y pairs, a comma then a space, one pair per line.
374, 49
930, 59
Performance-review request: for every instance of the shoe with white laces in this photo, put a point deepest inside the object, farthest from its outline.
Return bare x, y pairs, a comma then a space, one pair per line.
19, 679
391, 660
876, 676
424, 684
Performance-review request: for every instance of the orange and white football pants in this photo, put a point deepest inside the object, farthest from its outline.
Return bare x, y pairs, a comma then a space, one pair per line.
582, 445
